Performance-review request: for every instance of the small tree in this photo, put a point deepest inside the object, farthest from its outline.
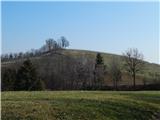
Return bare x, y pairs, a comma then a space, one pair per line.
6, 57
133, 62
20, 55
64, 42
27, 77
99, 71
99, 59
115, 72
82, 75
10, 56
55, 46
49, 44
15, 55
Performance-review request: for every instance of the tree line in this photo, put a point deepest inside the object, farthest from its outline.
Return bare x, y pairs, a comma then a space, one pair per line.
25, 78
61, 72
50, 45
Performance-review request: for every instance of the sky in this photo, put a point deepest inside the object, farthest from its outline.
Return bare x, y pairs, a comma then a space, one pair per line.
110, 27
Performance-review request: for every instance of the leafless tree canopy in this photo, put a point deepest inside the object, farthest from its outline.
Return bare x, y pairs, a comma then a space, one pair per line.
133, 62
115, 71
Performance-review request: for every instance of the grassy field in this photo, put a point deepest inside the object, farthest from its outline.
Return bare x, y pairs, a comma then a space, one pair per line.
80, 105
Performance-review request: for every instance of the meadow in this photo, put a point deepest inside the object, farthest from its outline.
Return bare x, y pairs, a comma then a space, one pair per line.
80, 105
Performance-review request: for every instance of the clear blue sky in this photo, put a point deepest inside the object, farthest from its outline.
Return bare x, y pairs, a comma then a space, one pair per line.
110, 27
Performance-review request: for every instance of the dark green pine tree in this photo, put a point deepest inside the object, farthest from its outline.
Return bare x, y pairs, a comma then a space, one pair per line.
27, 77
99, 59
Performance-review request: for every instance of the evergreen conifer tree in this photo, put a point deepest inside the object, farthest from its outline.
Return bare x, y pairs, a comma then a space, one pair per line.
27, 78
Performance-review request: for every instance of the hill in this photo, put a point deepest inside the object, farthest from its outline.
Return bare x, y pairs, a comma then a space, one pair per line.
149, 67
65, 65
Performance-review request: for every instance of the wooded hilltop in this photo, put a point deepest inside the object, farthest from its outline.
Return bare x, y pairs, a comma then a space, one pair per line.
54, 67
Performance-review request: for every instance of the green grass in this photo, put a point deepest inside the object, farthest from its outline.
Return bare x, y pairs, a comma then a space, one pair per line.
80, 105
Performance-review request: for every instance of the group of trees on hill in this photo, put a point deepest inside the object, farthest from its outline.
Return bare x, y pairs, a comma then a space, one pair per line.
75, 75
50, 45
61, 72
53, 45
25, 78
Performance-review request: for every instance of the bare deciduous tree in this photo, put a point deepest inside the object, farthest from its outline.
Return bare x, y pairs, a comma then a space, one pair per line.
64, 42
115, 71
49, 44
133, 62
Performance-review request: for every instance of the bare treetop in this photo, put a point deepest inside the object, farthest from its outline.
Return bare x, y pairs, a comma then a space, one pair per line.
133, 62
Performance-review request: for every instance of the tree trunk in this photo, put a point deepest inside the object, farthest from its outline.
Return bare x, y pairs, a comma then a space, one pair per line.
134, 80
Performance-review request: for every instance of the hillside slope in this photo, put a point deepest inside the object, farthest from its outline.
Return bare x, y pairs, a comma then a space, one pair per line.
147, 73
60, 66
149, 67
